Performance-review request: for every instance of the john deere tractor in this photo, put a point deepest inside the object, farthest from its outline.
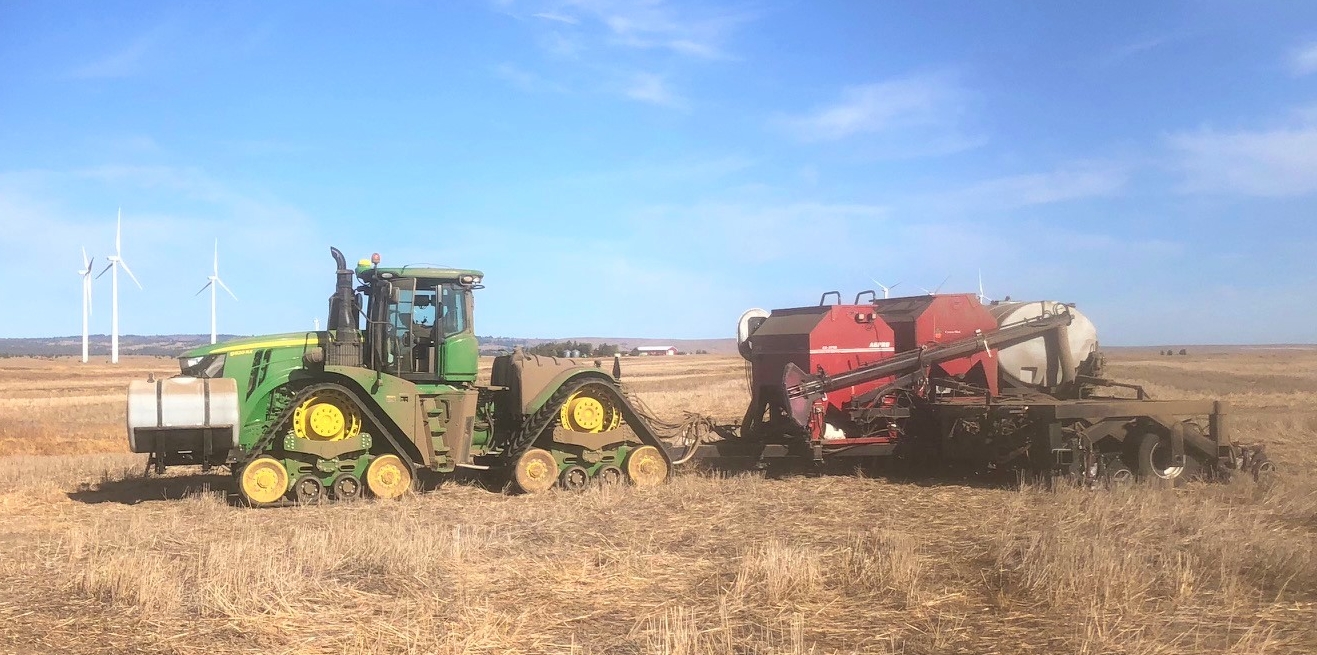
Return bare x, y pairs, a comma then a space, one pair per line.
386, 396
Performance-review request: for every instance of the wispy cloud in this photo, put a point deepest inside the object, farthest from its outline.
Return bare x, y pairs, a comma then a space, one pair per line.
559, 18
1014, 191
1128, 50
925, 109
1269, 163
125, 61
1303, 59
526, 80
654, 89
698, 31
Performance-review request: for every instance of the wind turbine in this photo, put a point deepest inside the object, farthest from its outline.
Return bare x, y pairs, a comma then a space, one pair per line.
86, 300
214, 282
983, 300
887, 291
938, 287
116, 262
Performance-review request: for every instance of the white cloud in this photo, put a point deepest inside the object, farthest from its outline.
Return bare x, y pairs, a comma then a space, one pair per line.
922, 101
1268, 163
653, 89
1303, 60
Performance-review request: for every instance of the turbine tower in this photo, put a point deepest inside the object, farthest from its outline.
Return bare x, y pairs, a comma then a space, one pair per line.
86, 300
116, 262
887, 291
214, 282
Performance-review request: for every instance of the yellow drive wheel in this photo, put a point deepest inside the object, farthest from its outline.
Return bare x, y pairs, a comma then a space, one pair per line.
328, 415
646, 467
263, 481
591, 409
536, 471
388, 477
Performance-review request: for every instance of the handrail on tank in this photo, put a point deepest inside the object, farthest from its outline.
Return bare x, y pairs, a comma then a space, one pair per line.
823, 299
873, 296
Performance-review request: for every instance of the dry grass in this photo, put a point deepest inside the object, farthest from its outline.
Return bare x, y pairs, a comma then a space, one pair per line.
98, 559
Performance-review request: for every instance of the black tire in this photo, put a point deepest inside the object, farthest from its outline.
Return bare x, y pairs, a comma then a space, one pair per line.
1150, 456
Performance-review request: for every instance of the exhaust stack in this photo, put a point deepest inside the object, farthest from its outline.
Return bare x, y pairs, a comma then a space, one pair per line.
344, 333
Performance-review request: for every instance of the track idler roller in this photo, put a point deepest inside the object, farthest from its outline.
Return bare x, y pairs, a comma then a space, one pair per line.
646, 467
608, 475
263, 481
574, 478
535, 471
388, 477
345, 487
308, 490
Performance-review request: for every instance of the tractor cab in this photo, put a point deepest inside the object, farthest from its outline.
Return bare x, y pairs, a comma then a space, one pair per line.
419, 321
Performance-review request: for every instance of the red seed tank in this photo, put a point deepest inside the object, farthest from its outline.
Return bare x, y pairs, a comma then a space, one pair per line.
925, 320
828, 338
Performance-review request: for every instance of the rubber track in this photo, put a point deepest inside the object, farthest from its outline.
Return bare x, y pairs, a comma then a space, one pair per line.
533, 427
259, 448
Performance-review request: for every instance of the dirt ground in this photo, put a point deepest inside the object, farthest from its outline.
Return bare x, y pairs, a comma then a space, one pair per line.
95, 558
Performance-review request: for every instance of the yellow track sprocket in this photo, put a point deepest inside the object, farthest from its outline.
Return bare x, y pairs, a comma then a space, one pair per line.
328, 415
591, 409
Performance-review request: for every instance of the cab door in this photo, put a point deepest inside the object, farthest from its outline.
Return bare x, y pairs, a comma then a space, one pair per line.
458, 349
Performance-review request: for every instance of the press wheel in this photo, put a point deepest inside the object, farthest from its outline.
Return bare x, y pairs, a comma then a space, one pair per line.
263, 481
536, 471
646, 467
388, 477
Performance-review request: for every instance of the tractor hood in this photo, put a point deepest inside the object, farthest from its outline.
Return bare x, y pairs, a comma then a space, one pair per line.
286, 340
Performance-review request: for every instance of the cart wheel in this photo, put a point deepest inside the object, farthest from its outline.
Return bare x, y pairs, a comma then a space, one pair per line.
1152, 458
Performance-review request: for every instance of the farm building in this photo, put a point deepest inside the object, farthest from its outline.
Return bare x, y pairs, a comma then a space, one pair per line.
656, 350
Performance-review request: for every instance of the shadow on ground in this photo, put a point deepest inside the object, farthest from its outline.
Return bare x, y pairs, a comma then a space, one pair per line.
137, 489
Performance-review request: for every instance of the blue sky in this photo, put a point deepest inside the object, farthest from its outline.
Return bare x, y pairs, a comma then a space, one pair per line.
653, 168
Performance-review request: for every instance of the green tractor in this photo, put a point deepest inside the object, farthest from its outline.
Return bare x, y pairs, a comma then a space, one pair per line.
376, 408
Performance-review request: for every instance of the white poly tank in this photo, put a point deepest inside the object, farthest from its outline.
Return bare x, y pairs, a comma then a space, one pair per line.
1026, 363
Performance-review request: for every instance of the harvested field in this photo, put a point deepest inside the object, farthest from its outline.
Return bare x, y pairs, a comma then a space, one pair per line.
97, 559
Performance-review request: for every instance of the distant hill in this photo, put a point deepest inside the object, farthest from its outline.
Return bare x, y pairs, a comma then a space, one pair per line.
168, 345
171, 345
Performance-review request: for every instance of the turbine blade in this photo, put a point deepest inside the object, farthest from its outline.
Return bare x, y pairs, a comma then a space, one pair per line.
207, 286
894, 285
216, 257
118, 229
225, 287
129, 271
86, 263
940, 285
88, 267
106, 270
